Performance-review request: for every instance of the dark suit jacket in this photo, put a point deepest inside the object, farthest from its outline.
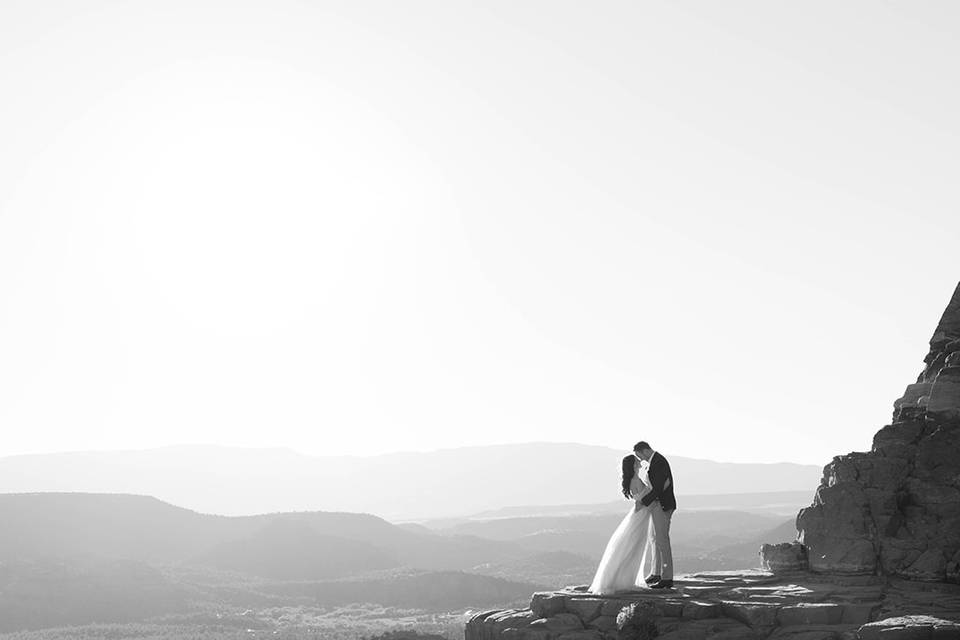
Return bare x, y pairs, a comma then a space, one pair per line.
659, 474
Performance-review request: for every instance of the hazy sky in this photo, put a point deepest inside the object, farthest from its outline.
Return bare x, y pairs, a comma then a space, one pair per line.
360, 227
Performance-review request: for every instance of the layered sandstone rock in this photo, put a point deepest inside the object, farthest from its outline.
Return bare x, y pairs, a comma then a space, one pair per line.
745, 605
785, 557
896, 510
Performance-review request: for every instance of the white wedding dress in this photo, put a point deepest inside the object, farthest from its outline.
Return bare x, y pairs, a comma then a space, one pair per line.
629, 553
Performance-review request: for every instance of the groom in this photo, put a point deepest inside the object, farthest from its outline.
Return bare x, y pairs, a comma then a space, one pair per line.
662, 503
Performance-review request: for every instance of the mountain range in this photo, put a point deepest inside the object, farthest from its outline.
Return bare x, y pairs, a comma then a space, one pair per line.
76, 558
79, 558
307, 545
401, 486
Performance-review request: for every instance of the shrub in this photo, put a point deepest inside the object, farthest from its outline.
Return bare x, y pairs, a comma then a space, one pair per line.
637, 621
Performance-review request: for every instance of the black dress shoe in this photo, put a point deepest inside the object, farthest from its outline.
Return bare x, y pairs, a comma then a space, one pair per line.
653, 579
663, 584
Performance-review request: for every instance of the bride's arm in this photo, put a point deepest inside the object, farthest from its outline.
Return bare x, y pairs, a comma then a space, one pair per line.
642, 488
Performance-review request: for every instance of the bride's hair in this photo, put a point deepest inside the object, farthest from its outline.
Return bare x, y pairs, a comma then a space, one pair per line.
628, 470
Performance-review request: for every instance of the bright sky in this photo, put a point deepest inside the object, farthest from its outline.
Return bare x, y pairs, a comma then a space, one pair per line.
361, 227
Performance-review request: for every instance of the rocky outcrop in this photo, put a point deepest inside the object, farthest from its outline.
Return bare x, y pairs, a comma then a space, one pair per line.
784, 557
875, 555
895, 510
910, 628
749, 605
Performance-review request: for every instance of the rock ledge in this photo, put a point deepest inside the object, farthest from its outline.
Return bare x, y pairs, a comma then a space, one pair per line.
746, 605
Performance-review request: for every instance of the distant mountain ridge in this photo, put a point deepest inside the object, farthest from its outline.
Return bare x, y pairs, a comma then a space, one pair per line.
306, 545
401, 486
324, 545
773, 502
77, 558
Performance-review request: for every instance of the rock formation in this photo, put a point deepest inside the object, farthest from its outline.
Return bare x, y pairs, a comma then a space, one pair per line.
875, 554
744, 605
895, 510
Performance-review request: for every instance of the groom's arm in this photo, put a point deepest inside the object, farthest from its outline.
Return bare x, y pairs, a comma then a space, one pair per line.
658, 477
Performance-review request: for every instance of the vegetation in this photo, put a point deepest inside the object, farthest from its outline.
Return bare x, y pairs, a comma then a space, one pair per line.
354, 622
49, 592
637, 621
109, 599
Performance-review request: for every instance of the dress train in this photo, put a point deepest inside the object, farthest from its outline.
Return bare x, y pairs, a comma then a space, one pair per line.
629, 554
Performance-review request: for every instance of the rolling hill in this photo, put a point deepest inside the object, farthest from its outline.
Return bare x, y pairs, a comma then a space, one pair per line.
74, 558
692, 532
78, 558
312, 545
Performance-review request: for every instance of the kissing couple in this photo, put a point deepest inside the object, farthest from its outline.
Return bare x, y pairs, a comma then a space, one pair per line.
642, 541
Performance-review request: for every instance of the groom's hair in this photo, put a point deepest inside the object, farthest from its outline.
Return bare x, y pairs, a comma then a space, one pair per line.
640, 446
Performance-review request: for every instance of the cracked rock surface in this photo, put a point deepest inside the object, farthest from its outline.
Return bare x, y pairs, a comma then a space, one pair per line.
748, 605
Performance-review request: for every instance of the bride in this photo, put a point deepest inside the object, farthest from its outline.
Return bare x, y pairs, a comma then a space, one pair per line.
631, 550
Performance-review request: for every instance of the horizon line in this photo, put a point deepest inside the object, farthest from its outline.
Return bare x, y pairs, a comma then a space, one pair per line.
409, 452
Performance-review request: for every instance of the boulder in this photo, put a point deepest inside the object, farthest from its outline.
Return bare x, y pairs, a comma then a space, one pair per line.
500, 622
476, 627
604, 623
560, 623
784, 557
547, 603
585, 608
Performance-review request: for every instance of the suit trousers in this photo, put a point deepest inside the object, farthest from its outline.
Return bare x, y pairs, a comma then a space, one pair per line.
663, 554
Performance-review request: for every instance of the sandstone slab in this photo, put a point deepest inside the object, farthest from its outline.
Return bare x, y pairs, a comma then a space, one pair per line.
784, 557
546, 604
585, 608
526, 634
699, 609
737, 606
910, 628
559, 623
760, 616
587, 634
821, 613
